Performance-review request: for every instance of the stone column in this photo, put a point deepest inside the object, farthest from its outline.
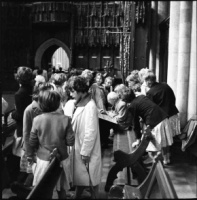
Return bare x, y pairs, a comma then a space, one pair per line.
162, 13
184, 59
192, 96
173, 44
153, 38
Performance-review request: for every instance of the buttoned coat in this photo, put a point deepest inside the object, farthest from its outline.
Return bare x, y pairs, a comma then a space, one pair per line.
87, 143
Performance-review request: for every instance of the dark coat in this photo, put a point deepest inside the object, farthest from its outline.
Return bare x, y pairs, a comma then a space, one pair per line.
150, 113
23, 97
163, 96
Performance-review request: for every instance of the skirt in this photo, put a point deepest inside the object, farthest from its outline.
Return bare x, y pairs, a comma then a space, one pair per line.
175, 125
162, 136
63, 181
24, 167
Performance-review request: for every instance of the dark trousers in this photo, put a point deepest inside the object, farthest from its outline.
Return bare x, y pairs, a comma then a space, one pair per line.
105, 127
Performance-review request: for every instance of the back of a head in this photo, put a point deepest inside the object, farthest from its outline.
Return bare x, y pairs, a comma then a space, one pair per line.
24, 75
42, 86
108, 78
40, 71
142, 73
150, 76
49, 100
58, 78
119, 88
40, 79
133, 77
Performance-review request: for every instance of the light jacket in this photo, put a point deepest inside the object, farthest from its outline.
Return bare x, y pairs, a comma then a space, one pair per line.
49, 131
85, 124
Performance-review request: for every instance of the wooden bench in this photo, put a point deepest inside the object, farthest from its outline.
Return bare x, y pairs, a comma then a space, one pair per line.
156, 185
127, 157
44, 189
8, 126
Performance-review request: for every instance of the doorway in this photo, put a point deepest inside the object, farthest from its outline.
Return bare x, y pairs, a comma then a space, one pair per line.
53, 52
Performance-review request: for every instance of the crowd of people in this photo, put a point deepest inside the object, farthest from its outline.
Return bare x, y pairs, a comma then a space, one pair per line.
59, 112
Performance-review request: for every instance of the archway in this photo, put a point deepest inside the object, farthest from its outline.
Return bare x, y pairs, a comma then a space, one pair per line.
47, 45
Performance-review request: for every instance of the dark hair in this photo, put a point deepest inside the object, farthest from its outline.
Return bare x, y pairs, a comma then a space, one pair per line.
40, 71
129, 96
136, 87
24, 75
78, 83
49, 100
150, 76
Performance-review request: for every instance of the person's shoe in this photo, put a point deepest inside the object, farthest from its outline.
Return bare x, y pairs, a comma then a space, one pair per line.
21, 190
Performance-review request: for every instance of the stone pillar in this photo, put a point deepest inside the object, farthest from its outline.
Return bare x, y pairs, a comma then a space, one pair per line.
192, 96
162, 13
184, 59
173, 44
153, 38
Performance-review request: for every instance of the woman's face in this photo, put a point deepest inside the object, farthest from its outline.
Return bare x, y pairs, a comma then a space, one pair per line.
76, 95
99, 80
108, 83
149, 83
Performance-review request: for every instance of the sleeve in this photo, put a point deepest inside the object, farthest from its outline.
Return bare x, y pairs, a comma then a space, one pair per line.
70, 136
91, 130
136, 121
33, 139
122, 114
4, 105
18, 113
27, 125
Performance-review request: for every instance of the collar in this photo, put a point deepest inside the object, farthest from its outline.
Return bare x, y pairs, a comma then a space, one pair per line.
35, 104
83, 101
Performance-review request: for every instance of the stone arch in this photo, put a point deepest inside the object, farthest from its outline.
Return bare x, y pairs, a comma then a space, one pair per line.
43, 47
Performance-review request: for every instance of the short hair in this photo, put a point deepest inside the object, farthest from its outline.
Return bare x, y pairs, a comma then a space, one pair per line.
142, 73
112, 96
88, 75
40, 71
136, 87
78, 83
133, 77
49, 100
118, 89
41, 86
130, 96
150, 76
109, 78
58, 78
24, 75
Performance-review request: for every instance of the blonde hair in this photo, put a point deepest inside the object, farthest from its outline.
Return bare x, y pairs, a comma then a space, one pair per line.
112, 96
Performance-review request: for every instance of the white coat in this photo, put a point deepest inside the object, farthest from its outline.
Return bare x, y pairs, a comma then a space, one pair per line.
87, 143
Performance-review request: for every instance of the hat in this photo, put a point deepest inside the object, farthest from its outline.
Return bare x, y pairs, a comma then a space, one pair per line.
40, 79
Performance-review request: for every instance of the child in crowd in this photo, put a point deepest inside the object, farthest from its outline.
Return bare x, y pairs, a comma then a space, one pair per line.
50, 130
